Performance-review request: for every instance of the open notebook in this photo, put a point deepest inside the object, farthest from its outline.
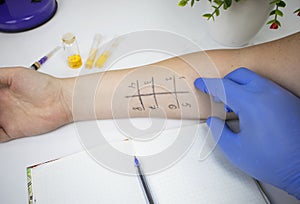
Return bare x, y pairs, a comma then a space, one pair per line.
80, 179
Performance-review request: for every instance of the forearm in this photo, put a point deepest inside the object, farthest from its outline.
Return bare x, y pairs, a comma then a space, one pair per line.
277, 60
38, 103
165, 89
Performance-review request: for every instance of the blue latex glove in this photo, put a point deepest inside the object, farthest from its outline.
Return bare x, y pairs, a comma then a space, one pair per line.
268, 144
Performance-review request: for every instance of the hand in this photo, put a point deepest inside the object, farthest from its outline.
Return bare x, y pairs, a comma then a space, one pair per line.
31, 103
267, 147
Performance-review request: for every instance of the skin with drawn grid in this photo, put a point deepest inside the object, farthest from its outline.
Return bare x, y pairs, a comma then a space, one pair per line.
173, 92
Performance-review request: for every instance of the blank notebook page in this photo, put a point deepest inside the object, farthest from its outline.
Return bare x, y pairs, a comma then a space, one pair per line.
213, 180
79, 179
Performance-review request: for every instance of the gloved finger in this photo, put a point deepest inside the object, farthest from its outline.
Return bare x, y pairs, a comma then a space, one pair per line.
227, 140
227, 109
242, 76
217, 100
225, 90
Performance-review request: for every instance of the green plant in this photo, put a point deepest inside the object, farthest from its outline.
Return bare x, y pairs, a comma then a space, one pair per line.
217, 5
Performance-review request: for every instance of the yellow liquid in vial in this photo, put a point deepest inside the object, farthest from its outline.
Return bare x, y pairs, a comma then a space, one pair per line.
74, 61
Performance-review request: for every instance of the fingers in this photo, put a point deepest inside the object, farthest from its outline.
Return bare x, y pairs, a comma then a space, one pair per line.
229, 90
4, 137
227, 140
242, 76
223, 89
5, 77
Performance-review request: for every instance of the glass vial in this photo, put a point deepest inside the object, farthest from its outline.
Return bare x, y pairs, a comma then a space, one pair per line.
71, 49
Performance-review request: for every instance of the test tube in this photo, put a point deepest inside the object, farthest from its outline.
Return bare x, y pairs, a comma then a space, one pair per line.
106, 54
93, 51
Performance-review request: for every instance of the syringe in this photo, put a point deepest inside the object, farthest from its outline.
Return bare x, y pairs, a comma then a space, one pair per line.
36, 65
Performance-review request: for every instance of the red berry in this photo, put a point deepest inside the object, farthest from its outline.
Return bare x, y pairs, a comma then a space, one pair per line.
274, 26
298, 13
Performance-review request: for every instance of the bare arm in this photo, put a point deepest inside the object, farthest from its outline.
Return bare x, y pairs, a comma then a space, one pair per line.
165, 89
33, 103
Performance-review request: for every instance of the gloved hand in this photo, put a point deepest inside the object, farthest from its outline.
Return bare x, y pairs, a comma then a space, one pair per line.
268, 144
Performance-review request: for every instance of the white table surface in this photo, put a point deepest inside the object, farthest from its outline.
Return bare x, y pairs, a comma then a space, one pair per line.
110, 18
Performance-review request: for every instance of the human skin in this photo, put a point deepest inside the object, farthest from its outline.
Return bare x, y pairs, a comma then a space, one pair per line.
32, 103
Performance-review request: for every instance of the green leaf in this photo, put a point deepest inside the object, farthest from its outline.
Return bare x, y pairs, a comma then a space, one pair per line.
298, 10
271, 21
182, 2
279, 13
275, 2
218, 2
227, 4
192, 3
217, 12
278, 23
272, 13
208, 16
281, 4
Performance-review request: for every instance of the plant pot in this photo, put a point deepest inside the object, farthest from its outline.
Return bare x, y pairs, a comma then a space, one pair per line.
237, 25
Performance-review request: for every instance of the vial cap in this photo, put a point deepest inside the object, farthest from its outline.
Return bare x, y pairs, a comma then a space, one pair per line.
68, 38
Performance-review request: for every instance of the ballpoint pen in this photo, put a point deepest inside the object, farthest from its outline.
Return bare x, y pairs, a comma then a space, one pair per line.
143, 181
